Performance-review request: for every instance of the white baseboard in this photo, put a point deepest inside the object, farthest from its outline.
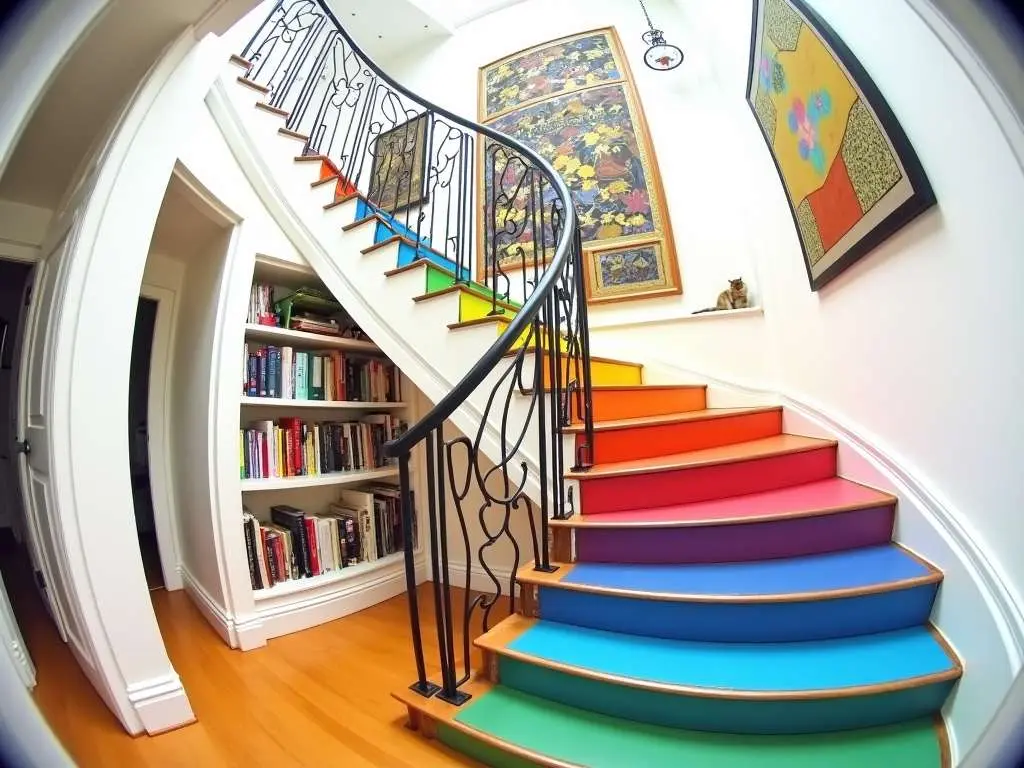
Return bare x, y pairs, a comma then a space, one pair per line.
218, 617
479, 581
161, 704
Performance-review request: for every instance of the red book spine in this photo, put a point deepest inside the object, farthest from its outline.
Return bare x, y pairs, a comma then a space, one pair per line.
314, 548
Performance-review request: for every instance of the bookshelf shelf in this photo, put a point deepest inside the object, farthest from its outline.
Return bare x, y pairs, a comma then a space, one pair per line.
329, 405
287, 337
309, 481
295, 586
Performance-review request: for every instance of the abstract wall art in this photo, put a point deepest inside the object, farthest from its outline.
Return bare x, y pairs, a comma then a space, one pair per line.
572, 101
852, 178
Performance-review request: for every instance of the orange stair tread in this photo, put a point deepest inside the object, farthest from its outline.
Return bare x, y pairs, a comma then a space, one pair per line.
675, 418
725, 454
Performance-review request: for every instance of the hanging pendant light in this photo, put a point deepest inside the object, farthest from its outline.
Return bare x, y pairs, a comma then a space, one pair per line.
660, 55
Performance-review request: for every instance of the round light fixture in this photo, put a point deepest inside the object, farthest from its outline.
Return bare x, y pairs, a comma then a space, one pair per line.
660, 55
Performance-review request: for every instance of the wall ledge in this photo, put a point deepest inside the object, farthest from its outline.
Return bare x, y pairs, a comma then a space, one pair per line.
726, 314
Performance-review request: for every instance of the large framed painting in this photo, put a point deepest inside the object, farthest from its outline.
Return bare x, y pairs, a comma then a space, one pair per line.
398, 173
573, 102
851, 176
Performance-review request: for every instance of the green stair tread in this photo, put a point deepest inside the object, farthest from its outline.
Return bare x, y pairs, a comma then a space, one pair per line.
440, 279
588, 739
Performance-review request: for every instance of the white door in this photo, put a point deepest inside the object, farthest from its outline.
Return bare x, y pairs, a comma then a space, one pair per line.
46, 546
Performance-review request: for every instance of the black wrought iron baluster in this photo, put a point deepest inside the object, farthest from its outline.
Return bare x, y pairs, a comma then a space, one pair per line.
422, 685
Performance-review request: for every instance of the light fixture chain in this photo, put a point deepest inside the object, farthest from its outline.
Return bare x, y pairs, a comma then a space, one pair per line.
646, 15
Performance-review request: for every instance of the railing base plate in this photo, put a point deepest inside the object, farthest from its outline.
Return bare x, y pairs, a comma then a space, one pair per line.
425, 689
545, 568
458, 698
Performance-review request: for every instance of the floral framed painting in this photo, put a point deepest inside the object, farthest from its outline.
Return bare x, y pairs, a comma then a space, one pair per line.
851, 176
572, 100
638, 270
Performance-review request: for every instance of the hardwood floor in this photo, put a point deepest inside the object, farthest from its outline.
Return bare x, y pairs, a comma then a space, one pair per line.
319, 697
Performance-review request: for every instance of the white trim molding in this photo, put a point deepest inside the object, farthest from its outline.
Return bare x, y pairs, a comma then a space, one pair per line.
218, 618
161, 703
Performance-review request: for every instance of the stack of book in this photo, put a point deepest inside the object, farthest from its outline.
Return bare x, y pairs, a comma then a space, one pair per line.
261, 305
362, 526
290, 447
300, 375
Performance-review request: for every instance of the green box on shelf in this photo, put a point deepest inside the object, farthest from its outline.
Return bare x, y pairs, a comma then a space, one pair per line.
305, 298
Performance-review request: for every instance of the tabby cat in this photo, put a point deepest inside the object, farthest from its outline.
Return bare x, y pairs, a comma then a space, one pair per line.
735, 297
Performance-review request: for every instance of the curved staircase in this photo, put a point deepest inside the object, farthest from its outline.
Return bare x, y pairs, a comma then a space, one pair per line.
720, 596
723, 599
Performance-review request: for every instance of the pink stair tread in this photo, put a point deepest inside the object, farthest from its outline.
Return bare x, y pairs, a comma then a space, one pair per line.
834, 493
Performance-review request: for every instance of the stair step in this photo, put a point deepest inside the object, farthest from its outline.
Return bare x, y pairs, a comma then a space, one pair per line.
709, 473
860, 591
651, 436
624, 402
801, 687
505, 727
812, 518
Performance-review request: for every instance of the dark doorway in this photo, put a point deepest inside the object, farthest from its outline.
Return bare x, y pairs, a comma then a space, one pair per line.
138, 440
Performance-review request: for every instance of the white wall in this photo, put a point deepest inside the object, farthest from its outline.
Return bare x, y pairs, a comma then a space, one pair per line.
193, 402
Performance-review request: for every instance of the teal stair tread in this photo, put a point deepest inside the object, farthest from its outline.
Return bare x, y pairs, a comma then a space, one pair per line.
866, 568
577, 737
767, 669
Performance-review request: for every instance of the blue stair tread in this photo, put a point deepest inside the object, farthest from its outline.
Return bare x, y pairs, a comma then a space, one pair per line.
867, 567
777, 667
578, 737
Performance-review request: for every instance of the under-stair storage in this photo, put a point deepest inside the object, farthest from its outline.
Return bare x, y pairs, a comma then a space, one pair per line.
320, 519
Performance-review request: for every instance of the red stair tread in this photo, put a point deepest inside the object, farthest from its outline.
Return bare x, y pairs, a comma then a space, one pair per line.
833, 494
674, 418
751, 449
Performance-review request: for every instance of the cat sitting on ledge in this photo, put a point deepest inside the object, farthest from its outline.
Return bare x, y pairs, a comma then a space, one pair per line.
735, 297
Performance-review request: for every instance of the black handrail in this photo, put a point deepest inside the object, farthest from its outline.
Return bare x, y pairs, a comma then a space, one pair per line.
359, 118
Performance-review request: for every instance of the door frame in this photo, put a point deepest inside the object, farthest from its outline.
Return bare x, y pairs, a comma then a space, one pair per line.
10, 632
161, 469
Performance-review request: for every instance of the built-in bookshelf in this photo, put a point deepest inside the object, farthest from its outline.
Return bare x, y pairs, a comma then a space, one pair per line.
317, 403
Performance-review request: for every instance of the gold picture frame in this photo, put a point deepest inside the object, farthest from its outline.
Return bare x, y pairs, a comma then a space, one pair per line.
627, 271
599, 141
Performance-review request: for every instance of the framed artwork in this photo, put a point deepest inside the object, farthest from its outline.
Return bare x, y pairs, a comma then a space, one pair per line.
634, 271
572, 101
549, 69
398, 174
851, 176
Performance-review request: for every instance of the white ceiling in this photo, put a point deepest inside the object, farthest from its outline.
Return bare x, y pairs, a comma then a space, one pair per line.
88, 92
385, 28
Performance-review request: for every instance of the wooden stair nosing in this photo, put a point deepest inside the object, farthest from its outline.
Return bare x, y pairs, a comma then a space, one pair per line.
395, 240
674, 462
252, 84
527, 575
461, 288
444, 713
328, 180
319, 159
293, 134
682, 417
375, 217
341, 201
498, 638
593, 359
234, 58
594, 521
284, 113
486, 320
632, 387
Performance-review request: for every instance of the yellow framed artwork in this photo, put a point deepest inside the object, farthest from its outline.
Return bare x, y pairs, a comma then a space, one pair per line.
572, 100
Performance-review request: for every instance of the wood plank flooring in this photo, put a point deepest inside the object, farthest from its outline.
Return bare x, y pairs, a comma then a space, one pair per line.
319, 697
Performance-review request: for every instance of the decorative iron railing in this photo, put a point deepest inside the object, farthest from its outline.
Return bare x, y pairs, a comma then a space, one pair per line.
456, 192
